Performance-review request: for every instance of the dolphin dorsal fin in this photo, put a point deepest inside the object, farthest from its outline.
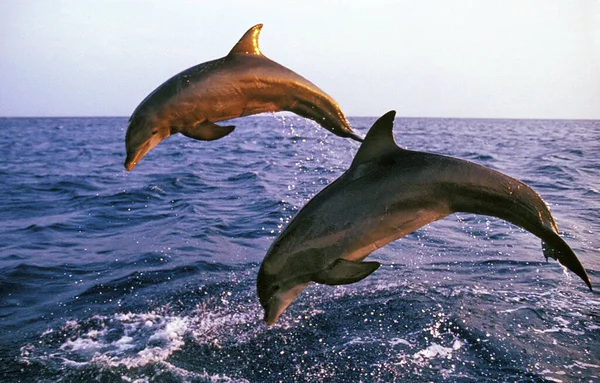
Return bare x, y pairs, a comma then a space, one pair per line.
248, 44
379, 140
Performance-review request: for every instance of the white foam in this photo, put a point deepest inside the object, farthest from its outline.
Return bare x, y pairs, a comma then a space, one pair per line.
437, 350
551, 379
559, 329
513, 310
579, 364
397, 341
133, 340
125, 343
48, 332
80, 344
141, 339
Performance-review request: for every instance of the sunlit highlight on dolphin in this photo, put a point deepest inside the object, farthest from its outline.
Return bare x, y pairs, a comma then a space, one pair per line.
243, 83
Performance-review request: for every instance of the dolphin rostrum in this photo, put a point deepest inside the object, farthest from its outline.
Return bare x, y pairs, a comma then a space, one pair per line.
387, 193
243, 83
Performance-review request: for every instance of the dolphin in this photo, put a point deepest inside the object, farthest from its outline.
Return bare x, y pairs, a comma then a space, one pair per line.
243, 83
387, 193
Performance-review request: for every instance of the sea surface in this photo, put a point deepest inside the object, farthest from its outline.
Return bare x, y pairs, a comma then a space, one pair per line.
149, 275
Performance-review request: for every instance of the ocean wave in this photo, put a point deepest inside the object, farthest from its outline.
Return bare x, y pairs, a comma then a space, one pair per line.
150, 275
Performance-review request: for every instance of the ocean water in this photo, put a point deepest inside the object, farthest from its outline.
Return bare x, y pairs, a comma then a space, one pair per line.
149, 275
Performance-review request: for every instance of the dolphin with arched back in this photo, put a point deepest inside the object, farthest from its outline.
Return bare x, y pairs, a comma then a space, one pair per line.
387, 193
243, 83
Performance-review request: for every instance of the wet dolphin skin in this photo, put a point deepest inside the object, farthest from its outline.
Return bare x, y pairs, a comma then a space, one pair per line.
243, 83
387, 193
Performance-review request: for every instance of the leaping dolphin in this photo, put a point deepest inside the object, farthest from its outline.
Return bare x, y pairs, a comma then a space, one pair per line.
243, 83
387, 193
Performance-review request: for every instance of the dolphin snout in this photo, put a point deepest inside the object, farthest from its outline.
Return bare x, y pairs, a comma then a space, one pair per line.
280, 301
271, 316
129, 163
133, 157
136, 152
269, 320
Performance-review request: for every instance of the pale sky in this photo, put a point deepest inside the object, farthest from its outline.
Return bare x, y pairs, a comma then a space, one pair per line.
431, 58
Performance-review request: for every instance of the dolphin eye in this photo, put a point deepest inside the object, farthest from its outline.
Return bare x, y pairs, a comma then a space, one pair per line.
273, 290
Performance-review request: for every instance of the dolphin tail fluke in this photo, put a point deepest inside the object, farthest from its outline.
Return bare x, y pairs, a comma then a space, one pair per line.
343, 272
558, 249
207, 131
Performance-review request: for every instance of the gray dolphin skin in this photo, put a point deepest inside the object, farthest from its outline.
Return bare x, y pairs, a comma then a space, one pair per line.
387, 193
243, 83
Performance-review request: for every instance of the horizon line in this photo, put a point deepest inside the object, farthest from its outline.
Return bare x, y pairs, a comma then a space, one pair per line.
374, 116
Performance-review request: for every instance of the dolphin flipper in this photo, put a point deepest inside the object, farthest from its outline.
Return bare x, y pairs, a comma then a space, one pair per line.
343, 272
207, 131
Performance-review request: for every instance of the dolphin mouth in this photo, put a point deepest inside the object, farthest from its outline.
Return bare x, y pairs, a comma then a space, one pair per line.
270, 319
131, 161
134, 156
273, 310
279, 302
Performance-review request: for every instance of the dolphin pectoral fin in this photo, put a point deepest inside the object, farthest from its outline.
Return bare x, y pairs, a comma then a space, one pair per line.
343, 272
207, 131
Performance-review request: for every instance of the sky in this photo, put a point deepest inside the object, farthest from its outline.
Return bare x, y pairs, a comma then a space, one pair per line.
428, 58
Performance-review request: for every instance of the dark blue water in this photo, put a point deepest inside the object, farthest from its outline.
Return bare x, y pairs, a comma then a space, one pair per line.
149, 275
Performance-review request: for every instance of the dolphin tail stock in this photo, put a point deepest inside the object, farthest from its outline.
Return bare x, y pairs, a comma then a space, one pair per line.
326, 112
506, 198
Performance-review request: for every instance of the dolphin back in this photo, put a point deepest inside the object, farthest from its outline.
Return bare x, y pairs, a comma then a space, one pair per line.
468, 187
